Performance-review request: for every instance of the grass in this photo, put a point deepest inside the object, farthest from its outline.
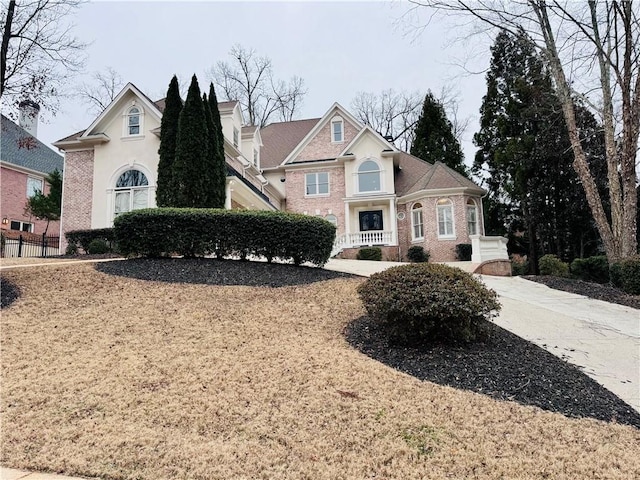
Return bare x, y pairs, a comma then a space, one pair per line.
130, 379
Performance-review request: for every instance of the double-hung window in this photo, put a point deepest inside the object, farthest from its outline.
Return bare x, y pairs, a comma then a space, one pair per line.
337, 130
316, 183
417, 226
445, 218
34, 185
133, 121
472, 217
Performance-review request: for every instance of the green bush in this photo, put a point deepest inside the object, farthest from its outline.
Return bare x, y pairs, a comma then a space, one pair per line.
552, 265
626, 275
426, 302
519, 267
592, 269
417, 254
82, 238
98, 246
193, 232
463, 252
370, 253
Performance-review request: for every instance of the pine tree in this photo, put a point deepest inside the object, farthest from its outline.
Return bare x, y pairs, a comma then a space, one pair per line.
434, 139
219, 175
47, 207
192, 150
215, 197
165, 192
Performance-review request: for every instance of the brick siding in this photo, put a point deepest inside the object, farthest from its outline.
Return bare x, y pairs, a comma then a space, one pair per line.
77, 193
320, 147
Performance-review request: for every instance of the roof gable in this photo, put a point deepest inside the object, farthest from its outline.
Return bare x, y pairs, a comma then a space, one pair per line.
22, 149
118, 103
417, 175
336, 109
367, 130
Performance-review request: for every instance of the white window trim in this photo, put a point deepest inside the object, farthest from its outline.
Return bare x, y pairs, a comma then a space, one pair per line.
317, 184
380, 172
35, 179
112, 190
446, 236
469, 205
337, 120
413, 224
125, 123
22, 224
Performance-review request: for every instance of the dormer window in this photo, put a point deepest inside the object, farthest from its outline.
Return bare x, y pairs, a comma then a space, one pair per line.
337, 130
134, 120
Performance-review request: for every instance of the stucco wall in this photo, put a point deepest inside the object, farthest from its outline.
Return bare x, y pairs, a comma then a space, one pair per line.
13, 201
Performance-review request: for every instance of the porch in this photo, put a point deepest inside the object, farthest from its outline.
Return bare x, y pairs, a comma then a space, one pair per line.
369, 221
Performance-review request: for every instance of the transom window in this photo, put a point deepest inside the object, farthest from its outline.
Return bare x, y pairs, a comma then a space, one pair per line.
369, 177
317, 183
417, 226
472, 217
34, 185
445, 218
371, 220
132, 192
133, 121
337, 127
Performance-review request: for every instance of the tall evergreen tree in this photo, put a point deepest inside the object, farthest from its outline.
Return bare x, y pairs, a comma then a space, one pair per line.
192, 151
525, 154
434, 139
219, 173
165, 192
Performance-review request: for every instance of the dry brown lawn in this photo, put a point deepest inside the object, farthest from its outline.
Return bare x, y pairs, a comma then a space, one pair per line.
127, 379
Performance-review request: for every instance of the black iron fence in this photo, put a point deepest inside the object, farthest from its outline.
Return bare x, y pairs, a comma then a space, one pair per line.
29, 245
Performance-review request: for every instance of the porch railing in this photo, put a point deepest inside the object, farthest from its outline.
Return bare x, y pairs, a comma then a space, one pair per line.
359, 239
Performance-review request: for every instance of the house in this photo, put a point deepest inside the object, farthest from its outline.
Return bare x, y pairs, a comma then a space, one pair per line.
25, 162
333, 167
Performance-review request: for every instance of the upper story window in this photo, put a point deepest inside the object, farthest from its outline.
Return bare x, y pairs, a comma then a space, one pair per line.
445, 218
134, 120
417, 225
236, 137
34, 185
472, 217
316, 183
132, 192
369, 177
337, 130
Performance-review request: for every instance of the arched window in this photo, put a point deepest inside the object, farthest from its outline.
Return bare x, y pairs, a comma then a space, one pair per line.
132, 192
417, 227
332, 218
134, 120
369, 177
472, 217
445, 218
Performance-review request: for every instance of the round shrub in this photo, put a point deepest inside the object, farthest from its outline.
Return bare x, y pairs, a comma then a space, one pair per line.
425, 302
552, 265
592, 269
417, 254
519, 266
626, 275
370, 253
98, 246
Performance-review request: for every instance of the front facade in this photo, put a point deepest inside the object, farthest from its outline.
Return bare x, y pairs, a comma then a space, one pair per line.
333, 167
25, 163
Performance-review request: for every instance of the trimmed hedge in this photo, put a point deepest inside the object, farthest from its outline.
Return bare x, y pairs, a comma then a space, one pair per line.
463, 252
369, 253
82, 238
417, 254
591, 269
626, 275
419, 303
193, 232
552, 265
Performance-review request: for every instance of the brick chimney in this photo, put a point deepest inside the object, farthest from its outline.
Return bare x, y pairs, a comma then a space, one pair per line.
28, 117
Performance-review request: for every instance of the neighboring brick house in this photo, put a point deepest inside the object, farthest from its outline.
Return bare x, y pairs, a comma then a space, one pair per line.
25, 163
333, 167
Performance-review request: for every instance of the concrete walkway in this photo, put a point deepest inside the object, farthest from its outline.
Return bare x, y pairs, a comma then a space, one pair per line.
601, 338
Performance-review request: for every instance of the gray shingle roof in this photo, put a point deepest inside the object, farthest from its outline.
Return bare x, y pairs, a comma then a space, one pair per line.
20, 148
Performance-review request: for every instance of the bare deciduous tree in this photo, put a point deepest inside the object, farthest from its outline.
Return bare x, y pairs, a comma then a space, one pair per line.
38, 54
592, 50
102, 89
249, 80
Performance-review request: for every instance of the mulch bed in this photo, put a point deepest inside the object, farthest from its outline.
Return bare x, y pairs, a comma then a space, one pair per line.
505, 366
8, 293
588, 289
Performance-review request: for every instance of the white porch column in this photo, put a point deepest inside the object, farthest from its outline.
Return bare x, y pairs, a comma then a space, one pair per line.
227, 195
394, 221
347, 222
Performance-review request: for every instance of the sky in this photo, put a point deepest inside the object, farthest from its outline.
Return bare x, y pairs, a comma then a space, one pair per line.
337, 48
